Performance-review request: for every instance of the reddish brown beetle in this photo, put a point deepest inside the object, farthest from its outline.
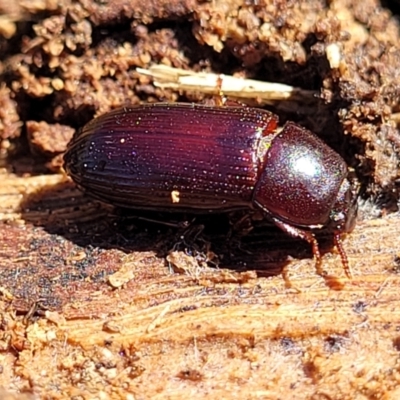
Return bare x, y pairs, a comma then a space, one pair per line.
195, 158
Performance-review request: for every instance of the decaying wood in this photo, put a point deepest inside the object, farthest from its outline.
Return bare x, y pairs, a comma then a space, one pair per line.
95, 304
130, 324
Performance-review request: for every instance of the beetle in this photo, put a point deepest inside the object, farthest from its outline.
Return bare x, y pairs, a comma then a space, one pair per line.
195, 158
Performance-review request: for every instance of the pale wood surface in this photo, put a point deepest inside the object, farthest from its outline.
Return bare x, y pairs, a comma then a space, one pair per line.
199, 332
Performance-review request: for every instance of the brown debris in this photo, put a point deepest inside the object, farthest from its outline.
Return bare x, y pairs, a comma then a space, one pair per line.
49, 141
46, 139
10, 123
116, 10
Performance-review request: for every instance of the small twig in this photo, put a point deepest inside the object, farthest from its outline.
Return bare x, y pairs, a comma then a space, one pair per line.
241, 88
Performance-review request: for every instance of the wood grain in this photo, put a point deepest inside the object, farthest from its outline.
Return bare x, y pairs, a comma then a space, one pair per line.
117, 320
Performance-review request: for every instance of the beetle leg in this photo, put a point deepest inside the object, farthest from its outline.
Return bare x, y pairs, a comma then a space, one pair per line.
339, 245
305, 235
241, 224
221, 100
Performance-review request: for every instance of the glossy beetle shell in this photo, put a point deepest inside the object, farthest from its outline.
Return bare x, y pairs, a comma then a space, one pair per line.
135, 157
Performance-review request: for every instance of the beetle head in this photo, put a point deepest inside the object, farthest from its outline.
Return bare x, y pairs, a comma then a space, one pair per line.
344, 211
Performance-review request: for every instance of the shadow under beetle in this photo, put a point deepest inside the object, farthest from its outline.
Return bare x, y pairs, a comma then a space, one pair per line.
200, 159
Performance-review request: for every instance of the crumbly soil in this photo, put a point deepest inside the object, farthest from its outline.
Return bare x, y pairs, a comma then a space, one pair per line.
99, 304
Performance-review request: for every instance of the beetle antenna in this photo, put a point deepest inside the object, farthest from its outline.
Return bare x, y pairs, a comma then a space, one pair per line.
339, 245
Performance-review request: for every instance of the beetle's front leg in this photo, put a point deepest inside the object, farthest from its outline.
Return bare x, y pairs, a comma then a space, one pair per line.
305, 235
